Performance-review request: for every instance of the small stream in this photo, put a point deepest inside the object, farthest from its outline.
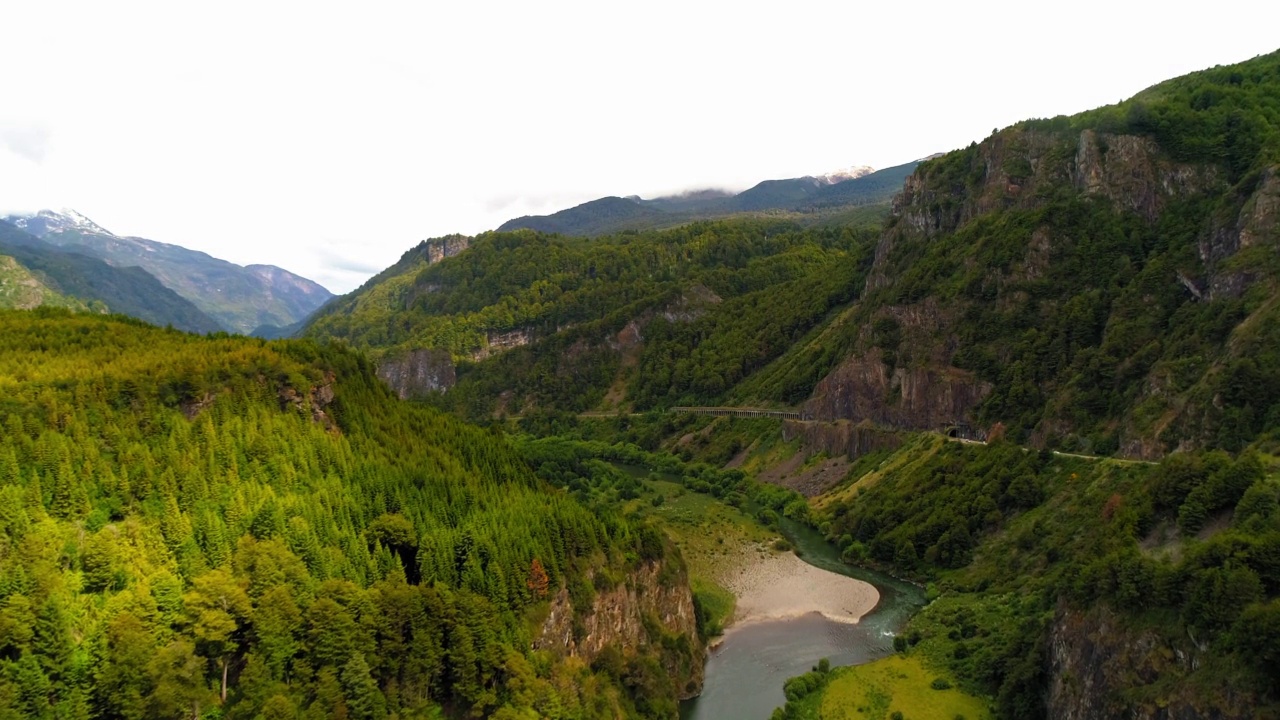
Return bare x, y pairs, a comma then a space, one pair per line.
745, 672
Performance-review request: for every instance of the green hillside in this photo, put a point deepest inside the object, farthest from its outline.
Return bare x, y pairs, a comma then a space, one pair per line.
21, 290
195, 525
596, 217
1060, 585
709, 303
1066, 587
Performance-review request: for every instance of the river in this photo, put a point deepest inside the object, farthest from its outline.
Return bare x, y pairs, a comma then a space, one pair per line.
745, 672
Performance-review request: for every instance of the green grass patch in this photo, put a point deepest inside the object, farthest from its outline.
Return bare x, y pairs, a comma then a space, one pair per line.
709, 533
896, 684
715, 605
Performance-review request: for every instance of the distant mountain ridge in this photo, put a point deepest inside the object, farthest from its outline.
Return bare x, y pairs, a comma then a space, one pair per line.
239, 298
46, 222
812, 199
42, 274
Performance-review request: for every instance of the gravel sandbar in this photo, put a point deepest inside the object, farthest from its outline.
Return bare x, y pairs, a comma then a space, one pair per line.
773, 586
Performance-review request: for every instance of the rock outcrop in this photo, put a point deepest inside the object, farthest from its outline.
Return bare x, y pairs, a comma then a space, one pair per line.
418, 373
691, 305
1256, 226
863, 387
441, 248
1098, 669
498, 342
627, 616
311, 402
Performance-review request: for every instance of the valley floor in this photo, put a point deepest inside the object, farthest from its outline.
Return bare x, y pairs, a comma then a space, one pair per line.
728, 550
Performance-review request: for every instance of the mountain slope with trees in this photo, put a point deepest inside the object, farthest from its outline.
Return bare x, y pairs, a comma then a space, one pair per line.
217, 524
555, 322
1064, 587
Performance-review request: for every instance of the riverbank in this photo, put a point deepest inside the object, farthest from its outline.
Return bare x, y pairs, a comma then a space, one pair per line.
772, 585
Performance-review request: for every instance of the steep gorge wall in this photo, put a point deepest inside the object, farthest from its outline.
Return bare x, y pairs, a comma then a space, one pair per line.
921, 398
619, 616
1100, 670
912, 386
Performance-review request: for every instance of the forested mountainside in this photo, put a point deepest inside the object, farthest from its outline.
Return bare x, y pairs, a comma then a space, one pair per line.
552, 321
85, 280
807, 200
240, 298
1103, 282
1080, 588
194, 525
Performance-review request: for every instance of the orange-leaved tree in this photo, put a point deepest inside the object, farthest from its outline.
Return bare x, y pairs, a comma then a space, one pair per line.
538, 583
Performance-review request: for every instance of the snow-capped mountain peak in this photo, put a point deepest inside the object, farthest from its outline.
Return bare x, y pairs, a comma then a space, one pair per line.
850, 173
47, 222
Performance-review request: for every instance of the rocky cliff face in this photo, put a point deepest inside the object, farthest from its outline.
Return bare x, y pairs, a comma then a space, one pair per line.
638, 613
1021, 169
313, 402
863, 387
497, 342
1015, 168
1256, 227
914, 383
1100, 670
418, 373
444, 247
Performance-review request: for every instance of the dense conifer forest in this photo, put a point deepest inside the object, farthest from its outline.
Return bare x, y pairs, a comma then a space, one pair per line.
194, 525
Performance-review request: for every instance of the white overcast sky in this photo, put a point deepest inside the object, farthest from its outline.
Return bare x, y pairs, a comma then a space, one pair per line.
328, 139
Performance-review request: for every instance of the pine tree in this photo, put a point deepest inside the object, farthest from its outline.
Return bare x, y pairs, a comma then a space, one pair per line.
277, 623
33, 687
364, 699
